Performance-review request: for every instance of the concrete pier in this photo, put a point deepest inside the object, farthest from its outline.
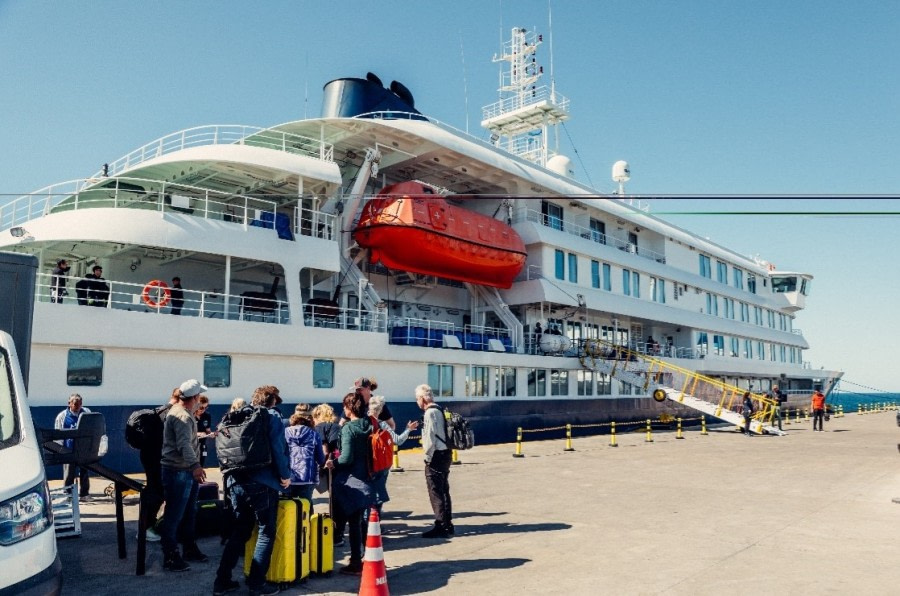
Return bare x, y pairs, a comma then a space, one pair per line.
808, 513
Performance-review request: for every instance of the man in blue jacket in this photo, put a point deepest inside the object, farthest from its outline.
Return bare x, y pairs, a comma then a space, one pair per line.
254, 498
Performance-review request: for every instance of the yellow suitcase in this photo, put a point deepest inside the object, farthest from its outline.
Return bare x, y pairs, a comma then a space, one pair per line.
290, 556
321, 539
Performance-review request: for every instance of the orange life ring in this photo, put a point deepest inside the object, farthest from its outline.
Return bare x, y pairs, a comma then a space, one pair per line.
161, 301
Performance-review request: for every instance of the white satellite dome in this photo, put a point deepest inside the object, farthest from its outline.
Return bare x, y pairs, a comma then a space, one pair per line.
560, 164
621, 172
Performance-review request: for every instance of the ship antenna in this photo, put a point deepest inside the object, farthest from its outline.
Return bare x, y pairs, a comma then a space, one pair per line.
306, 90
552, 78
462, 57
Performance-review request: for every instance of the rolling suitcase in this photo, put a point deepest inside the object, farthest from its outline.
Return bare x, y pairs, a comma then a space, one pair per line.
290, 556
210, 510
321, 549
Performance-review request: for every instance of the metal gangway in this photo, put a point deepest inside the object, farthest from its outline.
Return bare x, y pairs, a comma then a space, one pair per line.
666, 381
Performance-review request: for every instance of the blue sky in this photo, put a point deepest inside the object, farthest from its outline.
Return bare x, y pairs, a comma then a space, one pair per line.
701, 97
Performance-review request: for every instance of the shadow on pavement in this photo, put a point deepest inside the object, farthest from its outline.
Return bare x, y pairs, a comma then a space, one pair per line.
426, 576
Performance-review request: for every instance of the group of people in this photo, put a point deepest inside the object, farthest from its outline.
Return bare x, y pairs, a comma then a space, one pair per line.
817, 406
92, 289
310, 448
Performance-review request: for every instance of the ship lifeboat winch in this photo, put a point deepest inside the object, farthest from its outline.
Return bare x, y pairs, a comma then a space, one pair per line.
410, 228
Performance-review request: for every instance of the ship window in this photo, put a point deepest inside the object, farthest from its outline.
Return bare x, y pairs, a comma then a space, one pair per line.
658, 290
585, 381
537, 382
745, 312
323, 374
607, 277
552, 215
598, 231
751, 284
505, 381
772, 352
805, 286
748, 348
729, 308
440, 377
705, 266
784, 284
595, 274
636, 284
560, 265
719, 345
84, 368
738, 279
702, 343
604, 384
735, 347
478, 381
760, 350
712, 305
722, 272
573, 268
559, 382
217, 370
626, 282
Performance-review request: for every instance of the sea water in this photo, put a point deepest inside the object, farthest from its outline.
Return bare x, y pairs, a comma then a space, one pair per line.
851, 400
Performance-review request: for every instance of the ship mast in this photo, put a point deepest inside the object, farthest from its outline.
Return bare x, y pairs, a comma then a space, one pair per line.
520, 121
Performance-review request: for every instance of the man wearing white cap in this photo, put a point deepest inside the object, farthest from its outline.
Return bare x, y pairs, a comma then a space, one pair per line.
181, 476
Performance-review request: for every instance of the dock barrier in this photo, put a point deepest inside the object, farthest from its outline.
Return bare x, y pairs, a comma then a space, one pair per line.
395, 467
612, 435
518, 452
649, 438
678, 434
703, 425
569, 438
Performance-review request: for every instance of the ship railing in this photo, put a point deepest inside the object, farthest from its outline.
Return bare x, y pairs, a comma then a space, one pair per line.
221, 134
120, 295
410, 331
153, 195
558, 224
335, 317
515, 102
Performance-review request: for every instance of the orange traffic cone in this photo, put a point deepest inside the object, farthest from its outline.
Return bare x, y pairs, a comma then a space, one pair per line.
374, 575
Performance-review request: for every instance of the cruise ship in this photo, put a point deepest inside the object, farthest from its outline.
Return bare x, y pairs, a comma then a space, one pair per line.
377, 242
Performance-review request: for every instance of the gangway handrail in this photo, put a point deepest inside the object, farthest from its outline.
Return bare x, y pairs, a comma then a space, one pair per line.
595, 349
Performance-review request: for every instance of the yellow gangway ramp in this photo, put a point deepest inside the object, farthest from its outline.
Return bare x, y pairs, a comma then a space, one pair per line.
666, 381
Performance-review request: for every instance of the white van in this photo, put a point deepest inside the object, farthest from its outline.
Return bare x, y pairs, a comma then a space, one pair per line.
29, 563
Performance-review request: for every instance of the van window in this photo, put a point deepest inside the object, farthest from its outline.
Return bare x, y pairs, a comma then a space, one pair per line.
9, 420
85, 368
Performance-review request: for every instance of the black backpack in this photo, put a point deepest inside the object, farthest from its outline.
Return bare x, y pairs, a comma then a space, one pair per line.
242, 443
457, 430
144, 428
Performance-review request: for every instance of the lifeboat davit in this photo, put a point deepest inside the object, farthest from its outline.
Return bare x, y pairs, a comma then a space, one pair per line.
408, 227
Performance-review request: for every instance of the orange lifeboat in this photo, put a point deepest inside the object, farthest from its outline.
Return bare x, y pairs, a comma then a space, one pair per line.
408, 227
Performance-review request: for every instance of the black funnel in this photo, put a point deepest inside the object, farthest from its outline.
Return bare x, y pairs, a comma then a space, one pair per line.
351, 97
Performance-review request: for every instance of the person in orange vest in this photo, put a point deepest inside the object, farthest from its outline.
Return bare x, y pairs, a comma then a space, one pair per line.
818, 408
